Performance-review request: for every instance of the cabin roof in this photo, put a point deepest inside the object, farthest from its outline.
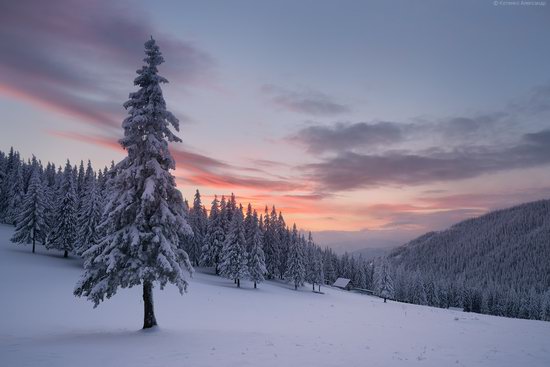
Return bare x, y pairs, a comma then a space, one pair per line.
341, 282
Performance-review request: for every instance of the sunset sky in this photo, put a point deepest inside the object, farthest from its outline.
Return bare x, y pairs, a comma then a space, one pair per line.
379, 120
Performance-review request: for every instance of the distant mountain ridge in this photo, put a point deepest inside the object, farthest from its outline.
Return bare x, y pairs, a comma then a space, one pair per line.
508, 248
372, 253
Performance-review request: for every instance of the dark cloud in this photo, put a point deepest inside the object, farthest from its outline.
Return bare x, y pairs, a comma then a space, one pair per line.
77, 56
348, 170
369, 136
466, 127
308, 102
344, 136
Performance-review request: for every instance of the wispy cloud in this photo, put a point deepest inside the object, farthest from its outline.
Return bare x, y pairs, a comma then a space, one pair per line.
348, 170
78, 56
201, 170
376, 135
306, 102
344, 136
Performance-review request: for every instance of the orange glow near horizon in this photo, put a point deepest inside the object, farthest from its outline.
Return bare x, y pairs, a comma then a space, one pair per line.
311, 212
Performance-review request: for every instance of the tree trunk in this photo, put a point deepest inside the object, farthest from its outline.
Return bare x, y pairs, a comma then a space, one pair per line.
66, 254
33, 241
319, 288
254, 285
384, 299
149, 319
313, 285
295, 286
238, 283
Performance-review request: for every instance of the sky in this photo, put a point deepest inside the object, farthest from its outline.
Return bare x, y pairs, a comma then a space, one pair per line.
366, 122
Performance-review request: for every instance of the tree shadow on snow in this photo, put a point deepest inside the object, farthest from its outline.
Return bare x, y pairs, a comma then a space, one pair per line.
41, 251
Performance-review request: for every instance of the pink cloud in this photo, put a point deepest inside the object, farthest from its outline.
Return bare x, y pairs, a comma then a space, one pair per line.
74, 56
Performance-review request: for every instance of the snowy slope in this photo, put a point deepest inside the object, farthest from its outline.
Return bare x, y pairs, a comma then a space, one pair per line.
216, 324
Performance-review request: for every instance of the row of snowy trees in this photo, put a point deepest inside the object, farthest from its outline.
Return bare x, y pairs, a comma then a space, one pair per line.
62, 209
427, 288
250, 246
59, 208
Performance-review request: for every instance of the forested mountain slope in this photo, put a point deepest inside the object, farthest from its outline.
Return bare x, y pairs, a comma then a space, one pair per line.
508, 248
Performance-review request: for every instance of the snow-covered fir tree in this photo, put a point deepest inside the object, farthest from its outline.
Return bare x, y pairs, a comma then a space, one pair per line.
256, 257
314, 263
213, 241
310, 261
31, 224
384, 281
199, 224
249, 227
283, 236
296, 271
16, 192
319, 275
80, 179
234, 264
145, 225
88, 222
271, 243
64, 231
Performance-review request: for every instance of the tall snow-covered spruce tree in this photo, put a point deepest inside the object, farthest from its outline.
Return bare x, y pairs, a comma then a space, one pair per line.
31, 224
234, 263
296, 270
384, 281
63, 234
144, 226
256, 257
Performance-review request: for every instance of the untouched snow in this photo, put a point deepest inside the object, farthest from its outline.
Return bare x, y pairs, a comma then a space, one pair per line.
216, 324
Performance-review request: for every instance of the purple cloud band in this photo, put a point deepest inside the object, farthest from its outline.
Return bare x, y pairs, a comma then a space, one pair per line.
78, 56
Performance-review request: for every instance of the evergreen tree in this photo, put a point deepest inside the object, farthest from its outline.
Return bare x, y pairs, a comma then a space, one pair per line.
359, 276
271, 246
318, 271
91, 211
256, 257
80, 180
234, 263
199, 223
213, 241
283, 236
310, 261
328, 266
145, 224
249, 227
64, 233
16, 192
296, 271
384, 281
5, 188
31, 224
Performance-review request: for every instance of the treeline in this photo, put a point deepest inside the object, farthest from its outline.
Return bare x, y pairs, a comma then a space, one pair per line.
62, 207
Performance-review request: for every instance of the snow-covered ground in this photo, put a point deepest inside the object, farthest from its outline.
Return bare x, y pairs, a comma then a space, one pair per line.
216, 324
